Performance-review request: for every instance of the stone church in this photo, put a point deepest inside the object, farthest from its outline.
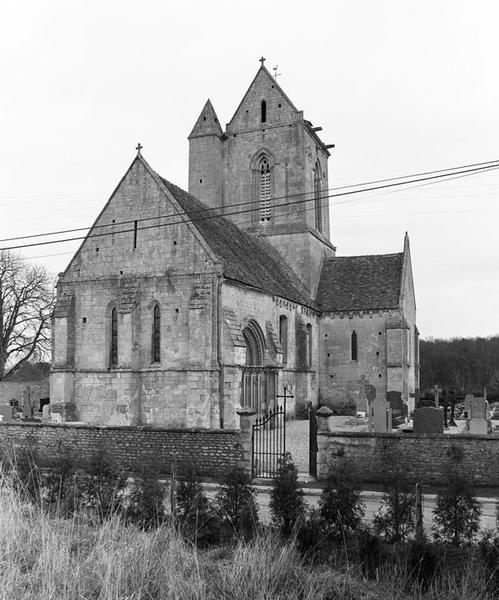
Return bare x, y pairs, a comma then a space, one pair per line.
180, 307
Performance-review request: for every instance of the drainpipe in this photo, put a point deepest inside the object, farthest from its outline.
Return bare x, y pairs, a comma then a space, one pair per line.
221, 379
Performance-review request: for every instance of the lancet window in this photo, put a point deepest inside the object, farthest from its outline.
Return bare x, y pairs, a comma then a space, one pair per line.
156, 335
317, 197
283, 337
353, 345
113, 350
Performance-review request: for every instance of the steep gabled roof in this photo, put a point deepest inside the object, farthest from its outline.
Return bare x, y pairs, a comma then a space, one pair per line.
360, 283
245, 258
277, 87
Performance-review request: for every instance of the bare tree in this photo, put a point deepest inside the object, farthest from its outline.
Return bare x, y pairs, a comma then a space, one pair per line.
26, 304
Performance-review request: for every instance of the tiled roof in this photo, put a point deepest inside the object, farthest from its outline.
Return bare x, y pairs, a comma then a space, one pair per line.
245, 258
360, 282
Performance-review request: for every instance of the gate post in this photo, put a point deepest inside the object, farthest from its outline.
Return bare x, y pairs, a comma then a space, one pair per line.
246, 419
323, 430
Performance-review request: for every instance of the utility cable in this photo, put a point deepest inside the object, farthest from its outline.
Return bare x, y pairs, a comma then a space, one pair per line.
213, 213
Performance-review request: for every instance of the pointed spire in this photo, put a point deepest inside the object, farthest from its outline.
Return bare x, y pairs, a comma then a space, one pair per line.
406, 243
207, 123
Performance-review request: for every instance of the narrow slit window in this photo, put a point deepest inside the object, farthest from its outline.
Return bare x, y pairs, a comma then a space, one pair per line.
263, 110
156, 335
135, 234
353, 345
113, 355
309, 346
283, 337
265, 190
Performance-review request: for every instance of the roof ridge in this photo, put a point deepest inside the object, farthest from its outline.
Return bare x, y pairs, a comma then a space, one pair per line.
365, 255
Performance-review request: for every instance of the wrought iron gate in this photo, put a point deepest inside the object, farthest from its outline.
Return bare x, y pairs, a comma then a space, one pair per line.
312, 443
268, 443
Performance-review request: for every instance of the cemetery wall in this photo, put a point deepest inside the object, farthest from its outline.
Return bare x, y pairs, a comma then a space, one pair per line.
423, 457
214, 452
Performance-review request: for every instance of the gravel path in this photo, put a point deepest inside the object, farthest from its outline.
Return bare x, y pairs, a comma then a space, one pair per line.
297, 443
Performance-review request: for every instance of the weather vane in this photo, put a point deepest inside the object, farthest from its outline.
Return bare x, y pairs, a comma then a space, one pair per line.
276, 74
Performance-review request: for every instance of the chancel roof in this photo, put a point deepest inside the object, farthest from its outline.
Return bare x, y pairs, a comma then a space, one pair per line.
360, 283
245, 258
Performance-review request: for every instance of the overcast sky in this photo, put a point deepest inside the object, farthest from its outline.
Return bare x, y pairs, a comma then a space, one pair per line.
399, 87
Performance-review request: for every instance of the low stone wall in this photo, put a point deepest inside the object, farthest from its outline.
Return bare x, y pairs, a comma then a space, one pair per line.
423, 457
214, 452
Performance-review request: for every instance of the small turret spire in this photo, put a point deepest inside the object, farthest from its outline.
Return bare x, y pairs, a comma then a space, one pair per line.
207, 122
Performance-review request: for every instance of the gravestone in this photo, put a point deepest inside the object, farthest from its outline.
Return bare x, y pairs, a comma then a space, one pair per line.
46, 413
478, 423
467, 404
436, 392
414, 401
26, 403
397, 406
362, 403
428, 419
371, 395
380, 415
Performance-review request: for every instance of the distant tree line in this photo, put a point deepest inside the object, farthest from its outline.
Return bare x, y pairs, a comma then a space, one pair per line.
461, 366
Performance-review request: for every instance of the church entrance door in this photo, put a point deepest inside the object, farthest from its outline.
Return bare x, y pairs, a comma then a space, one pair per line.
259, 389
259, 382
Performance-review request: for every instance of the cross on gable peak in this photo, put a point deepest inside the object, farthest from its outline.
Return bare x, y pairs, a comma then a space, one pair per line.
262, 60
139, 147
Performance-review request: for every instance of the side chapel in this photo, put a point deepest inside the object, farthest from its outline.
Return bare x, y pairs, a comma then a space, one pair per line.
180, 307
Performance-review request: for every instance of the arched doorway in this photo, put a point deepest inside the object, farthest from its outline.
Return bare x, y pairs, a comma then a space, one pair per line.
259, 381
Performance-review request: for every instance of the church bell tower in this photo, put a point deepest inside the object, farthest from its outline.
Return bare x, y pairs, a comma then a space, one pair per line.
268, 172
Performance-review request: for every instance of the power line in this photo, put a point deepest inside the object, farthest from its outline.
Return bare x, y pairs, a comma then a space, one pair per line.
489, 162
492, 165
213, 214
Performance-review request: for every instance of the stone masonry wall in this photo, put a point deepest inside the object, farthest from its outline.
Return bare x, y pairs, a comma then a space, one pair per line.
423, 457
300, 381
340, 376
165, 267
214, 452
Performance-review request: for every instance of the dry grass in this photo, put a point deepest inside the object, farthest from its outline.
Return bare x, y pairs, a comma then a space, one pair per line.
46, 557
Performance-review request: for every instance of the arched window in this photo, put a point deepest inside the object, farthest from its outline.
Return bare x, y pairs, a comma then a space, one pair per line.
156, 335
263, 111
309, 345
317, 197
353, 345
113, 350
265, 189
283, 337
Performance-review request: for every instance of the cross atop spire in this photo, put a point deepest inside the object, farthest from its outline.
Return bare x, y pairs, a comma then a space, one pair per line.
262, 60
139, 147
